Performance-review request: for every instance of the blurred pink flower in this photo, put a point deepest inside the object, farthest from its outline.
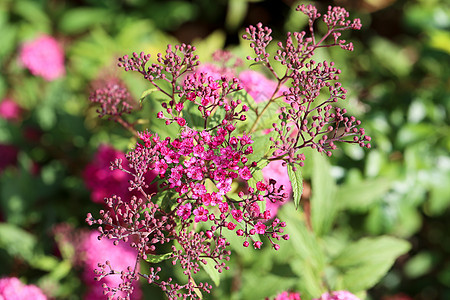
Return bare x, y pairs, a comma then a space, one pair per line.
105, 183
338, 295
288, 296
44, 57
277, 171
214, 71
11, 288
8, 156
93, 251
399, 296
9, 110
258, 86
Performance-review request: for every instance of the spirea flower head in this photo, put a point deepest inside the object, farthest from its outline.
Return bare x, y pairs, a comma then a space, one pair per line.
208, 172
288, 296
11, 288
114, 99
10, 110
338, 295
44, 57
101, 257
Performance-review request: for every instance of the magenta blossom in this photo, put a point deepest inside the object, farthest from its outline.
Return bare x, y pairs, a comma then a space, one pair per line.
9, 110
184, 211
338, 295
260, 228
13, 288
288, 296
201, 214
44, 57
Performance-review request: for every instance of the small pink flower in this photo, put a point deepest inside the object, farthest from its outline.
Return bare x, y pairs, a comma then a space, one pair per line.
260, 228
237, 215
288, 296
201, 214
257, 245
9, 110
181, 122
44, 57
184, 211
231, 226
260, 186
338, 295
245, 173
13, 288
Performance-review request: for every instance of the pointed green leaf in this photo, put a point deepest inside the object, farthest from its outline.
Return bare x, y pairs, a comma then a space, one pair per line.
297, 184
211, 271
323, 199
146, 93
156, 258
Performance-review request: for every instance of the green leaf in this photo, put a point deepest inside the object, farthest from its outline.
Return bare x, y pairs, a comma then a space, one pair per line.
297, 184
305, 242
77, 20
146, 93
263, 285
323, 201
211, 271
17, 242
237, 10
261, 146
359, 196
156, 258
363, 263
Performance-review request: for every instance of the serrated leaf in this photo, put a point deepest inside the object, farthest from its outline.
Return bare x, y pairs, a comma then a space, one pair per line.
156, 258
364, 262
297, 184
211, 271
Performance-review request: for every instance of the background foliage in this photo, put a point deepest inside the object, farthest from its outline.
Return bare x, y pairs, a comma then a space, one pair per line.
364, 206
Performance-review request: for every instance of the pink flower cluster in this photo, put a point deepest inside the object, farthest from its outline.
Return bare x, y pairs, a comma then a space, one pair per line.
44, 57
337, 295
120, 257
10, 110
11, 288
206, 173
288, 296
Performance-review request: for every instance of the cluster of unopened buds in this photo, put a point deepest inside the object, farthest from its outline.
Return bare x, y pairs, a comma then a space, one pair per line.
206, 174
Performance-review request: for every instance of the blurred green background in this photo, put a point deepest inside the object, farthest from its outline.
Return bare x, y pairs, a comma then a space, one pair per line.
398, 82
